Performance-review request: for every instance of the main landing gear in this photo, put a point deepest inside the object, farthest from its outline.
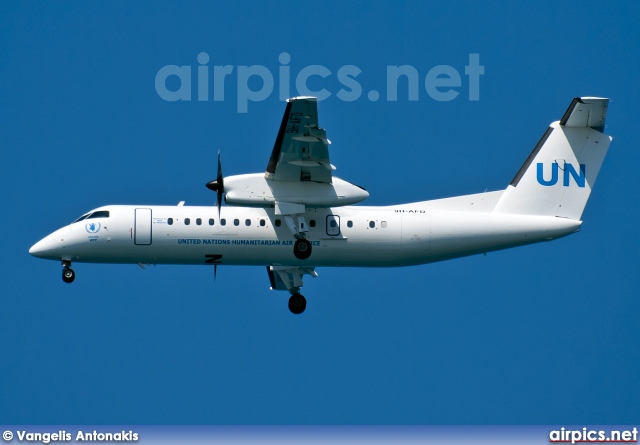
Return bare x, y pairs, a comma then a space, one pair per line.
290, 278
298, 227
68, 275
297, 303
302, 249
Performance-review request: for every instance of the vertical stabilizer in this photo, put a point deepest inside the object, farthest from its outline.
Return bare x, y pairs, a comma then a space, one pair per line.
559, 174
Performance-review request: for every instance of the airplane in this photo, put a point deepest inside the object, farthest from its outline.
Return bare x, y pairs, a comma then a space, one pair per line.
298, 216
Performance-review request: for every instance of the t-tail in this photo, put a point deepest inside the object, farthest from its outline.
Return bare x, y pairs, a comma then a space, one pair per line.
559, 174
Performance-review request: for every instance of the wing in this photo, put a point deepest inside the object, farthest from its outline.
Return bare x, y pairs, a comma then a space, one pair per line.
301, 150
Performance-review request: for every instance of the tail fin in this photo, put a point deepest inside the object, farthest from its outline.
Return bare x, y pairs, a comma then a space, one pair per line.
557, 177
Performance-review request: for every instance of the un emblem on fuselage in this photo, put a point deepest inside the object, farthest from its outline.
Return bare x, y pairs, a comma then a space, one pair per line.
92, 227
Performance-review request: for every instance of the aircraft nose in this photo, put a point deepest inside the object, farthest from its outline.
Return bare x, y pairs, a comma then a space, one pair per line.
46, 248
39, 248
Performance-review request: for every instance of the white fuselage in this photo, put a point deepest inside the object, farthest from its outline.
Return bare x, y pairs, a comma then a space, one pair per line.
399, 235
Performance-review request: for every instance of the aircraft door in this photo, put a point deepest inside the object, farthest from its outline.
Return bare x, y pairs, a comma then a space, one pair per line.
333, 225
142, 225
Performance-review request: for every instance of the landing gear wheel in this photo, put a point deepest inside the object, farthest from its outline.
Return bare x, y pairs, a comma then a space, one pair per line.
297, 304
68, 275
302, 249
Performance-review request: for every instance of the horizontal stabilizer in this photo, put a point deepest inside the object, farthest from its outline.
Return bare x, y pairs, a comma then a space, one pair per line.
586, 112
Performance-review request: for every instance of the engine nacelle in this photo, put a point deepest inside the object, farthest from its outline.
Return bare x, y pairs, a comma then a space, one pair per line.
254, 190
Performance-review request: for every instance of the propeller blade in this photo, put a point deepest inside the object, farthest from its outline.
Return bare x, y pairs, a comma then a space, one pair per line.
219, 178
220, 182
217, 185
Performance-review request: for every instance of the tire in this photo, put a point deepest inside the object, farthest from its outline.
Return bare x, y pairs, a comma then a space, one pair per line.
68, 275
302, 249
297, 304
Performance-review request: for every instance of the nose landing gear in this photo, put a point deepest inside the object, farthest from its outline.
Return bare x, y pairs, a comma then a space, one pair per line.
68, 275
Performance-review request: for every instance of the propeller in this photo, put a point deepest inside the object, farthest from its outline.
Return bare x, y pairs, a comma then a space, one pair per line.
218, 185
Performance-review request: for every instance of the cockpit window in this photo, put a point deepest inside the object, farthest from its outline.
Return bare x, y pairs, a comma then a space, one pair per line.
99, 214
81, 218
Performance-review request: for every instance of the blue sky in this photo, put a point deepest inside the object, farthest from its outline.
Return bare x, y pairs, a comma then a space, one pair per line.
541, 334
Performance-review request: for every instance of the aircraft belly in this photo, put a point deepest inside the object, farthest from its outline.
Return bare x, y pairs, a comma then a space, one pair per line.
459, 235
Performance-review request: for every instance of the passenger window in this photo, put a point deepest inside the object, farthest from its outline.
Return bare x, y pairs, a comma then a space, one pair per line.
262, 223
236, 222
372, 224
312, 223
198, 221
247, 222
333, 223
211, 221
223, 222
187, 221
383, 224
278, 223
349, 224
170, 221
